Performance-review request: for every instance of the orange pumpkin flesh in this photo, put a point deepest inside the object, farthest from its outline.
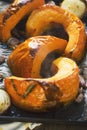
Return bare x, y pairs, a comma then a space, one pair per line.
48, 14
15, 12
27, 58
43, 93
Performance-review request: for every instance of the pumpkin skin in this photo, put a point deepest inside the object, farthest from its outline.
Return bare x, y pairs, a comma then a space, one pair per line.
15, 12
74, 27
40, 94
27, 58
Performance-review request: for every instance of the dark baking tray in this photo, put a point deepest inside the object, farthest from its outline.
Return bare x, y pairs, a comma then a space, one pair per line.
74, 113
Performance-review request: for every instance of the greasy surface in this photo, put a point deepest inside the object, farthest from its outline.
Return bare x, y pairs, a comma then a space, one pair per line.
13, 14
49, 14
75, 113
40, 94
27, 58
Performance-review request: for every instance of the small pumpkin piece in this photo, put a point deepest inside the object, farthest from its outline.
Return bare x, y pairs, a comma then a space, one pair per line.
15, 12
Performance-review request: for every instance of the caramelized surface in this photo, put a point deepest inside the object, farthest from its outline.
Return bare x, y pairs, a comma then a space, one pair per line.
16, 12
74, 27
27, 58
40, 94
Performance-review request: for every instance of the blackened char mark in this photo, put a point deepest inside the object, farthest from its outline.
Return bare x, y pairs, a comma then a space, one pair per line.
10, 11
33, 52
52, 91
13, 8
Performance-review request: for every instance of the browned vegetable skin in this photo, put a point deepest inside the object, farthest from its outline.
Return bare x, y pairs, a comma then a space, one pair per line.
40, 94
15, 12
27, 58
74, 27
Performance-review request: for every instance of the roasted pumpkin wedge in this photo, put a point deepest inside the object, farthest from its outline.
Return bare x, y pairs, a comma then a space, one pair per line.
40, 94
49, 14
26, 60
15, 12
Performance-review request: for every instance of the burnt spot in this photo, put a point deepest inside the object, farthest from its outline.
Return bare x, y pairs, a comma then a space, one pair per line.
6, 16
15, 88
33, 52
52, 91
13, 8
28, 90
10, 11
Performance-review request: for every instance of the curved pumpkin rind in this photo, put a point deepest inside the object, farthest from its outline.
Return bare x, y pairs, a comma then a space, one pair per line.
46, 92
26, 59
73, 25
15, 12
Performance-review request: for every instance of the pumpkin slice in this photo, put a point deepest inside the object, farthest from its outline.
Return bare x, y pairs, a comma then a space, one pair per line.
49, 14
39, 94
26, 60
15, 12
